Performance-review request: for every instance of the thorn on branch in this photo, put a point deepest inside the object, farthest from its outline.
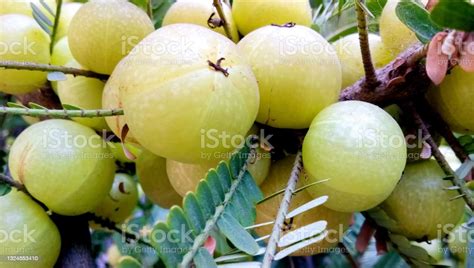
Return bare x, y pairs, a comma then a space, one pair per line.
217, 66
214, 22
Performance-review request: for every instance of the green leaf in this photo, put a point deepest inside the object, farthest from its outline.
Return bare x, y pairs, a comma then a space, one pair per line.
204, 197
36, 106
454, 14
232, 229
376, 7
128, 262
167, 249
251, 189
415, 17
203, 259
465, 140
215, 186
4, 189
46, 7
16, 105
224, 176
70, 107
178, 223
243, 210
194, 213
56, 76
222, 247
391, 259
159, 10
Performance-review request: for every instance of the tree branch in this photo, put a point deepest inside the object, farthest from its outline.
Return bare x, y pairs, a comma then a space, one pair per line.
220, 11
370, 76
31, 66
283, 210
60, 113
57, 17
459, 182
11, 182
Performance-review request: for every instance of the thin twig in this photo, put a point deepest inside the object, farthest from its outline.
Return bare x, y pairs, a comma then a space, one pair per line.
220, 11
15, 184
60, 113
370, 76
57, 16
459, 182
32, 66
283, 210
149, 9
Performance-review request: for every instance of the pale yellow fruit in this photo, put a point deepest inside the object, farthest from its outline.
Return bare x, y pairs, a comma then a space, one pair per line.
68, 10
85, 93
24, 7
27, 231
61, 56
151, 172
104, 31
348, 51
396, 36
267, 211
113, 255
250, 15
111, 100
361, 150
63, 164
453, 100
174, 100
298, 74
21, 39
122, 199
198, 12
421, 205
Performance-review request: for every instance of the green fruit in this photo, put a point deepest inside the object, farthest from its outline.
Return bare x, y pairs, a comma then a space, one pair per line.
116, 149
122, 199
63, 164
267, 211
348, 51
297, 70
26, 230
421, 205
85, 93
104, 31
453, 100
21, 39
457, 242
361, 150
61, 53
253, 14
24, 7
175, 102
113, 255
68, 11
395, 35
151, 172
198, 12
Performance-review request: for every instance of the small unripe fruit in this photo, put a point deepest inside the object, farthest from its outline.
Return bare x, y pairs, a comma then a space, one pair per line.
348, 51
298, 74
250, 15
85, 93
421, 205
61, 56
68, 11
122, 199
36, 234
22, 39
361, 150
453, 100
104, 31
63, 164
151, 172
176, 104
396, 36
198, 12
267, 211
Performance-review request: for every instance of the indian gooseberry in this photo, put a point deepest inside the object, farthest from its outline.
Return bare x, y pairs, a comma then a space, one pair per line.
119, 204
63, 164
453, 100
361, 150
61, 56
421, 205
85, 93
151, 172
199, 91
198, 12
68, 10
277, 180
22, 39
395, 35
348, 51
102, 32
250, 15
298, 74
30, 232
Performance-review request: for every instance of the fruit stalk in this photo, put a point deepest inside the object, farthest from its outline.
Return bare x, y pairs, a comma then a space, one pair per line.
7, 180
220, 11
60, 113
459, 182
283, 210
57, 15
31, 66
370, 76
